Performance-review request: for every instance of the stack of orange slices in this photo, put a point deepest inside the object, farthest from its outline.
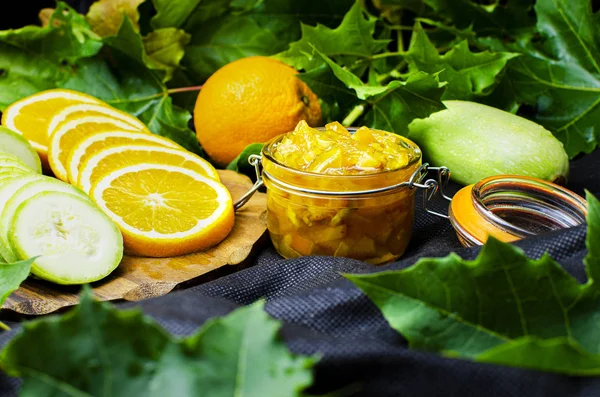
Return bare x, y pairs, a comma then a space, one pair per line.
166, 200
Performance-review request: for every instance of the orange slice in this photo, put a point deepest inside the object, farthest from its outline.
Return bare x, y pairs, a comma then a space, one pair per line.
87, 109
116, 157
31, 115
94, 143
69, 133
164, 210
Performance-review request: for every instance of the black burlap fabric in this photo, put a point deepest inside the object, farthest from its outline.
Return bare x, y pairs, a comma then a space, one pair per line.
323, 313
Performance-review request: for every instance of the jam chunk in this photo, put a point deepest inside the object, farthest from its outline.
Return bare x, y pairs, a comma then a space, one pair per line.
335, 151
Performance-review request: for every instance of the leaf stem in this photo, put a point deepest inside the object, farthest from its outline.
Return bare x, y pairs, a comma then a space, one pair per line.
158, 95
400, 40
4, 327
353, 115
394, 73
184, 89
400, 27
388, 54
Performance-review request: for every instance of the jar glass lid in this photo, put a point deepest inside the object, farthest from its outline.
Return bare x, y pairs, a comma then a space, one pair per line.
511, 207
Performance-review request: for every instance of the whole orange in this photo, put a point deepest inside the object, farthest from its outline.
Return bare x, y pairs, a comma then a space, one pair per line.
251, 100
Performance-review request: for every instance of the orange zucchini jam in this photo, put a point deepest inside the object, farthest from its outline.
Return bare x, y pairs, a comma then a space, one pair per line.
328, 192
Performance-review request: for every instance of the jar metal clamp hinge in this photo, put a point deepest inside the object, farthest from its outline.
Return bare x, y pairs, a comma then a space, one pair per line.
417, 181
254, 160
431, 186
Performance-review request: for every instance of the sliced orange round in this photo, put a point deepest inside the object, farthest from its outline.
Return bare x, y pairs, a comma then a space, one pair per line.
31, 115
69, 133
88, 109
92, 144
113, 158
164, 210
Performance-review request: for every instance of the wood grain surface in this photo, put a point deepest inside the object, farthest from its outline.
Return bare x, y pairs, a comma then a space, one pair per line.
139, 278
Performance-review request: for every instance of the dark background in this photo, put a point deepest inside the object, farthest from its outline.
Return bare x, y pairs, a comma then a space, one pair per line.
324, 313
16, 14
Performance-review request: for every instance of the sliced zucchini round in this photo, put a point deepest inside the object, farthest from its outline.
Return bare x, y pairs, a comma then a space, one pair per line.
22, 193
17, 145
76, 242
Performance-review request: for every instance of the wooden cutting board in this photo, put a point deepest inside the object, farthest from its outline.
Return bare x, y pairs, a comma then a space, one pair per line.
139, 278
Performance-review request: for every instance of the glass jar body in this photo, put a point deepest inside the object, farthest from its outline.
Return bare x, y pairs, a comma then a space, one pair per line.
375, 229
368, 217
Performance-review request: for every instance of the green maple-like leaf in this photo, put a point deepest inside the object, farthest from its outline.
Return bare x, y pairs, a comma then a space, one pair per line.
165, 49
501, 307
350, 41
560, 75
34, 58
468, 75
11, 277
67, 54
241, 164
402, 102
335, 60
561, 355
66, 39
225, 30
568, 82
127, 41
240, 355
160, 50
337, 99
174, 14
592, 260
98, 350
391, 7
392, 107
501, 20
105, 16
130, 85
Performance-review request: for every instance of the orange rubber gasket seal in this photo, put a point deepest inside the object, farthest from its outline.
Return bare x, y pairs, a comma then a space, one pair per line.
467, 217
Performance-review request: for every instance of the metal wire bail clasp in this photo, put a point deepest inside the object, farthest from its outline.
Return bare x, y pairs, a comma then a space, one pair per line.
254, 160
431, 186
